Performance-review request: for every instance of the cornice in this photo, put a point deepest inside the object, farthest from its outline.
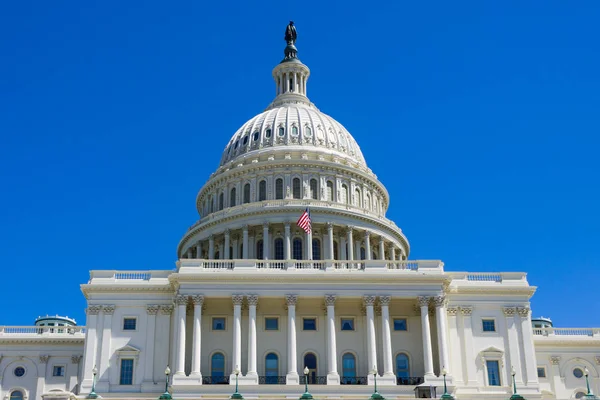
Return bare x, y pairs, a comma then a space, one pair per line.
43, 339
573, 341
123, 287
499, 290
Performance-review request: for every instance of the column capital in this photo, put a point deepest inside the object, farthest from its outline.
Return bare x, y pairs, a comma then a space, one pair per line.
367, 234
226, 232
265, 225
237, 299
108, 309
245, 227
198, 300
381, 239
423, 301
44, 358
349, 229
509, 311
466, 310
452, 311
94, 310
555, 360
385, 300
152, 309
523, 311
211, 237
181, 300
291, 299
439, 301
287, 225
329, 300
369, 300
166, 309
252, 299
329, 226
76, 359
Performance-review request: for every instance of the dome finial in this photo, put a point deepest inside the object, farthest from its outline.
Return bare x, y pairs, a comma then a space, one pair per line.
291, 53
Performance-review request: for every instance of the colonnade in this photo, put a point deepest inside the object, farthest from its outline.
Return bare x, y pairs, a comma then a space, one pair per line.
292, 376
343, 243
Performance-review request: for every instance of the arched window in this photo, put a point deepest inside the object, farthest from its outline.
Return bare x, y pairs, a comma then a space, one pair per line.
296, 188
232, 198
221, 198
314, 189
348, 368
271, 368
279, 188
335, 251
308, 131
368, 199
295, 130
268, 133
297, 249
241, 253
279, 249
363, 253
16, 395
357, 202
329, 190
281, 131
402, 367
217, 365
316, 249
217, 256
345, 199
262, 191
310, 362
247, 193
210, 205
259, 250
231, 252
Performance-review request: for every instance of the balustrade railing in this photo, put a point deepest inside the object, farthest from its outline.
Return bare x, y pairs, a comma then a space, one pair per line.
215, 380
484, 277
144, 276
218, 264
354, 380
271, 380
313, 380
42, 330
411, 380
566, 332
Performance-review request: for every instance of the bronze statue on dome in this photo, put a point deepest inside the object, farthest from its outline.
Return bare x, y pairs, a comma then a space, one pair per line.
290, 33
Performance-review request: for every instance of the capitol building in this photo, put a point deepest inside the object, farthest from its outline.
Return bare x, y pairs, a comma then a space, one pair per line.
335, 306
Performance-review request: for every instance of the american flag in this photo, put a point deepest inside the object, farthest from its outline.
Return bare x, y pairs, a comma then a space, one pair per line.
304, 221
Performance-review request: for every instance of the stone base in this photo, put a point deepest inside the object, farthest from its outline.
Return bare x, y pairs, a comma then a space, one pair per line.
292, 379
333, 379
86, 386
151, 387
243, 380
384, 380
191, 380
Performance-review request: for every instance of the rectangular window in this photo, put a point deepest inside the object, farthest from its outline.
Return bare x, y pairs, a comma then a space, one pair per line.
271, 324
400, 324
493, 372
129, 324
489, 325
218, 324
541, 372
58, 370
126, 372
347, 324
309, 324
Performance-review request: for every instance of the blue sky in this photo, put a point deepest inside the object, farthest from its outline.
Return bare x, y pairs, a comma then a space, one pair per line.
481, 118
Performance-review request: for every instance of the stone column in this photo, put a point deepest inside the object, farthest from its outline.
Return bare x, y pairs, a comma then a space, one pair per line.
105, 351
266, 240
350, 245
198, 249
197, 336
442, 332
357, 250
292, 369
381, 248
388, 366
309, 252
557, 381
211, 247
469, 360
188, 253
181, 302
287, 242
226, 245
237, 334
333, 378
514, 358
330, 238
252, 302
91, 344
343, 255
369, 302
245, 244
427, 349
392, 252
528, 348
152, 310
236, 247
367, 245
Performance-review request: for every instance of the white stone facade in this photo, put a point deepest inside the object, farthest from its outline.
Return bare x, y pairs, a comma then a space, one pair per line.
253, 292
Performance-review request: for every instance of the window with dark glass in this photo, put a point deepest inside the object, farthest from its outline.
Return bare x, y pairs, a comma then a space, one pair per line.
16, 395
314, 189
348, 367
329, 190
271, 368
279, 189
271, 324
245, 140
218, 323
58, 370
256, 134
489, 325
402, 367
309, 324
217, 365
232, 196
296, 188
297, 249
126, 376
347, 324
493, 372
316, 249
262, 191
363, 253
541, 372
335, 251
357, 202
308, 131
400, 324
221, 201
129, 324
247, 193
268, 133
295, 130
281, 131
236, 144
279, 249
259, 250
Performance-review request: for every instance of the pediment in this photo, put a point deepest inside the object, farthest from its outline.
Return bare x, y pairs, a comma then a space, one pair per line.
128, 349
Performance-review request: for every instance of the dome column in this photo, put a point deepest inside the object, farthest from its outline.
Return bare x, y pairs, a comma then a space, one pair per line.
211, 247
330, 239
381, 248
287, 242
367, 245
266, 241
245, 242
393, 252
198, 249
349, 244
226, 245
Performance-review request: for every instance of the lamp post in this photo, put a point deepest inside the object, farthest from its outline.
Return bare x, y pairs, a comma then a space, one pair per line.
589, 395
515, 396
236, 395
166, 395
446, 395
306, 395
375, 395
93, 394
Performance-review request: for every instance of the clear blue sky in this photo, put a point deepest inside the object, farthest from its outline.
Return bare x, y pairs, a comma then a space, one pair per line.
481, 118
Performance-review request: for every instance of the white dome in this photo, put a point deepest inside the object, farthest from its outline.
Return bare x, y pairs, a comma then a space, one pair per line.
293, 126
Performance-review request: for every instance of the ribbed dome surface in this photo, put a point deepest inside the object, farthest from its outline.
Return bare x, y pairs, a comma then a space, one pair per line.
293, 126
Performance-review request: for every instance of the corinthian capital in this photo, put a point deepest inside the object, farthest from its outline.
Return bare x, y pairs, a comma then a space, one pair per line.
94, 310
237, 299
152, 309
252, 299
369, 300
423, 301
108, 309
523, 311
181, 300
466, 310
439, 301
329, 300
291, 299
385, 300
509, 311
198, 299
